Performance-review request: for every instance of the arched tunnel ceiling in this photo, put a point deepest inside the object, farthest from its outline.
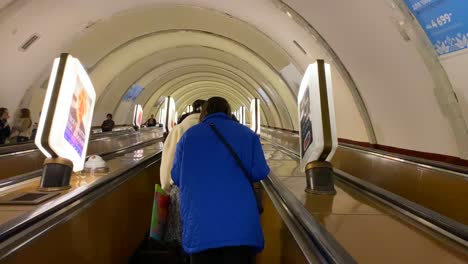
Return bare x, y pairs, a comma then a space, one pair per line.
152, 72
373, 67
133, 51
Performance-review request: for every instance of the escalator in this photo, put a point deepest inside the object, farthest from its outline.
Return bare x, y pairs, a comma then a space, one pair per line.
104, 218
25, 160
373, 225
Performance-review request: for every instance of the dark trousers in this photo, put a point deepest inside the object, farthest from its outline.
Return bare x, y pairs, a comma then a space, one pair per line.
225, 255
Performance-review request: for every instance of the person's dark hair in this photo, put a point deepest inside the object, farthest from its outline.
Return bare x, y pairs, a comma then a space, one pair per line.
25, 113
2, 111
198, 105
215, 105
109, 115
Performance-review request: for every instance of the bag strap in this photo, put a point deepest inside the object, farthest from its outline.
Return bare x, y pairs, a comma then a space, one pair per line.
231, 150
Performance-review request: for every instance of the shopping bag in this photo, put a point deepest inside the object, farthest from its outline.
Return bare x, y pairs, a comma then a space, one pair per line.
159, 215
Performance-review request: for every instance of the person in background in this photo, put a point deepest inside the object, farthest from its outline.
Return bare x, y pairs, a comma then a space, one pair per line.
174, 228
23, 126
220, 218
151, 122
197, 105
108, 124
34, 128
5, 130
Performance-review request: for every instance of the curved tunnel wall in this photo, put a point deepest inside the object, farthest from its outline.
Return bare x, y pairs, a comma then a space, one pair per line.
396, 86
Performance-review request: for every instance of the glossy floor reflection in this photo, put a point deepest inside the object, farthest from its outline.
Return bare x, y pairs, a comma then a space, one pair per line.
369, 230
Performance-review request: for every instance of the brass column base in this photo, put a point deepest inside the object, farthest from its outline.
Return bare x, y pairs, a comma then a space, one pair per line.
56, 175
319, 177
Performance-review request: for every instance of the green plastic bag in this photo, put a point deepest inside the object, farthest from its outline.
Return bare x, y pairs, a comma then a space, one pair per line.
159, 215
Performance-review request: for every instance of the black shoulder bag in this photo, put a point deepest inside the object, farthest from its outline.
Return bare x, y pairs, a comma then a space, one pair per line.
239, 163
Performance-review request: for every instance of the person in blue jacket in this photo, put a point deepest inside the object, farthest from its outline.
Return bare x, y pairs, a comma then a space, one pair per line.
220, 219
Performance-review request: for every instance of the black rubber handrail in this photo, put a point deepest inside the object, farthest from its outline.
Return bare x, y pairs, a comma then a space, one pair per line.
20, 223
311, 252
418, 161
11, 149
330, 249
456, 230
106, 155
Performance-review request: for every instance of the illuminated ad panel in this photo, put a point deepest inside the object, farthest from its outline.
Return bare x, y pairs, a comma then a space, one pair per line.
444, 21
317, 129
64, 129
133, 93
255, 112
168, 114
137, 116
242, 115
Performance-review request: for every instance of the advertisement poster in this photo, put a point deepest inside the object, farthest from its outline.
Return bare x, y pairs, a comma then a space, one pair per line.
133, 93
79, 114
444, 21
306, 124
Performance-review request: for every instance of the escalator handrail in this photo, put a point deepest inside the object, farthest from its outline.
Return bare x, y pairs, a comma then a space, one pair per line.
36, 173
456, 230
330, 249
310, 251
421, 162
14, 226
450, 228
15, 149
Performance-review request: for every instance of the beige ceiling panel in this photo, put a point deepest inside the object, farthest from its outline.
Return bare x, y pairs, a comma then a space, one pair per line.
108, 35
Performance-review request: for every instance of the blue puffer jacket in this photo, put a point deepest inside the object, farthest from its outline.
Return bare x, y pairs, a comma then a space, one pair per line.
218, 206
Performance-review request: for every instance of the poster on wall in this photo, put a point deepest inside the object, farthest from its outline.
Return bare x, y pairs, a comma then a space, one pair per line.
306, 123
444, 21
133, 93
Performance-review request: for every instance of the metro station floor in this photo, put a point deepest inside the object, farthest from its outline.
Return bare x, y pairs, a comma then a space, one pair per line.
369, 230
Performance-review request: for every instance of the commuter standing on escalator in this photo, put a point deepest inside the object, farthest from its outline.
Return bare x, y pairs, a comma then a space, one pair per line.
174, 229
22, 128
196, 105
5, 130
151, 122
221, 221
108, 124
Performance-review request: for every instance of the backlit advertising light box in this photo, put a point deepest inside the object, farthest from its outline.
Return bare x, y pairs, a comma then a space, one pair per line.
64, 131
137, 116
168, 114
241, 113
255, 111
317, 129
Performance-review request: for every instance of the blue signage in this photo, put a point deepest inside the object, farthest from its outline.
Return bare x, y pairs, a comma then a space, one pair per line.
133, 93
445, 22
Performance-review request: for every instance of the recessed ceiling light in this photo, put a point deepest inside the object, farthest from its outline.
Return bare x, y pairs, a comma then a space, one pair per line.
289, 14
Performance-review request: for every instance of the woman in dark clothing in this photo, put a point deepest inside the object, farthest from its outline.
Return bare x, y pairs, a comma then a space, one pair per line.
5, 130
220, 218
